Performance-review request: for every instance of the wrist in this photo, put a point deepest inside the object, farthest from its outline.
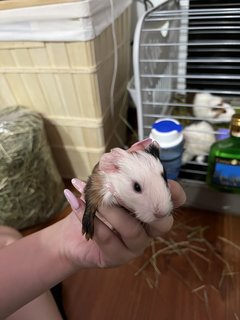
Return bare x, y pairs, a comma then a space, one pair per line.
58, 241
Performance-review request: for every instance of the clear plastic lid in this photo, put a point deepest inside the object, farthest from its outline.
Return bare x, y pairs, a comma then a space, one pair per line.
167, 132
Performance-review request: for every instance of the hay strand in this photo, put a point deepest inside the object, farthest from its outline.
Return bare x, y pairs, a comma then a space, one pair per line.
189, 243
234, 245
30, 185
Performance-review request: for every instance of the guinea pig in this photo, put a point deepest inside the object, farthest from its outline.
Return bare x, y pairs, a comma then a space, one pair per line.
133, 179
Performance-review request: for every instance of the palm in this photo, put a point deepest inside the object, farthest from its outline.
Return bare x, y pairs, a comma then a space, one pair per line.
79, 249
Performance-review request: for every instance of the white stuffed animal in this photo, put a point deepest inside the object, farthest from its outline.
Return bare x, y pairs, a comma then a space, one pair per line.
198, 138
212, 108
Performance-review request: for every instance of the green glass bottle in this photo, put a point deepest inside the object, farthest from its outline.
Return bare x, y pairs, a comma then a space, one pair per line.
224, 160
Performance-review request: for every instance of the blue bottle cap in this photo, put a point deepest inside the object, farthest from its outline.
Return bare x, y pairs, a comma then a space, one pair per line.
167, 126
167, 132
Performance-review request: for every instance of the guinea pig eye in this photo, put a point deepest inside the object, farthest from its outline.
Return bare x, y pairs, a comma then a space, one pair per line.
137, 187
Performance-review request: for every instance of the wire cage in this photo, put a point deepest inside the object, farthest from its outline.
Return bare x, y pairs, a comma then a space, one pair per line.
187, 66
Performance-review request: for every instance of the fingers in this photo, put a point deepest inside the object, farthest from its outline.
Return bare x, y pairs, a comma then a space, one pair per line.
120, 239
113, 251
126, 234
73, 201
131, 231
71, 198
76, 204
163, 225
177, 192
78, 184
160, 226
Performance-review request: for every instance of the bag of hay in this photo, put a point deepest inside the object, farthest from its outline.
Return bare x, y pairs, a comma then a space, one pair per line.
31, 189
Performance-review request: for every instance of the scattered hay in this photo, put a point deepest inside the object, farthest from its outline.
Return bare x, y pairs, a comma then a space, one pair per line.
191, 246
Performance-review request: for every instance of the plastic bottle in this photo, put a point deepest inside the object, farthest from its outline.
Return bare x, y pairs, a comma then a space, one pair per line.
224, 160
168, 133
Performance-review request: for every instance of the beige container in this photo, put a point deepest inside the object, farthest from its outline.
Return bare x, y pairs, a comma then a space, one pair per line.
77, 144
78, 162
69, 83
65, 78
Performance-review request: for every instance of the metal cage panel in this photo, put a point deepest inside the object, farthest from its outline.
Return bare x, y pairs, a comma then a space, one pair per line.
181, 50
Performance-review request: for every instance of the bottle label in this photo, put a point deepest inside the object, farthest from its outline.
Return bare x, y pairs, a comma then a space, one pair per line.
227, 172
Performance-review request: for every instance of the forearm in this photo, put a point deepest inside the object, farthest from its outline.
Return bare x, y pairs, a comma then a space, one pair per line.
30, 266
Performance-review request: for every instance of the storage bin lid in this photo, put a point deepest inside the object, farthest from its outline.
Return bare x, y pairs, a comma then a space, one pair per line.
74, 21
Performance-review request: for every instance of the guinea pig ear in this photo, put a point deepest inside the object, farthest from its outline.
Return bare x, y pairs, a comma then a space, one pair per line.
109, 162
154, 149
140, 145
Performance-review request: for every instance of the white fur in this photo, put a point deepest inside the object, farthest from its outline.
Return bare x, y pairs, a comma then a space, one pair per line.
204, 105
143, 168
198, 138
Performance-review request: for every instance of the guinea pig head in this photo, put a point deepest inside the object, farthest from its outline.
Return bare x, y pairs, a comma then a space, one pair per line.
137, 180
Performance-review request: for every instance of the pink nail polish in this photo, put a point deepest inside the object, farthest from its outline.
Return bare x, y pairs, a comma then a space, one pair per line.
78, 184
71, 199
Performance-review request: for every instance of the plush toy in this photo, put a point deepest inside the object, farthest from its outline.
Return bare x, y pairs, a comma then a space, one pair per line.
212, 108
198, 138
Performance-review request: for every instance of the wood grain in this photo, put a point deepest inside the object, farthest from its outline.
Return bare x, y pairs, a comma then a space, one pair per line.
118, 294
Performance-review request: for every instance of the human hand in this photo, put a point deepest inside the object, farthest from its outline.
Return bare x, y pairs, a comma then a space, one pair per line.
121, 239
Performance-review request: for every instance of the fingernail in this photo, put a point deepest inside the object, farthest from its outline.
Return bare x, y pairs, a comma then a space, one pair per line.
73, 201
147, 140
78, 184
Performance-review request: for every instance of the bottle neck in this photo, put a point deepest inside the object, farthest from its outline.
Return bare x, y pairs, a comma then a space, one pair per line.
235, 126
235, 134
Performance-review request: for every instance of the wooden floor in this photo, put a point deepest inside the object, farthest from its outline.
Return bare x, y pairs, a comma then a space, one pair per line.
199, 277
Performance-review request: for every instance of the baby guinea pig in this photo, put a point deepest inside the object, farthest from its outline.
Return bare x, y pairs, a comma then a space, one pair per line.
134, 179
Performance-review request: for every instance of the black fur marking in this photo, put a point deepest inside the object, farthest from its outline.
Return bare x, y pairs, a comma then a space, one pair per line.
153, 150
89, 213
164, 175
88, 222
